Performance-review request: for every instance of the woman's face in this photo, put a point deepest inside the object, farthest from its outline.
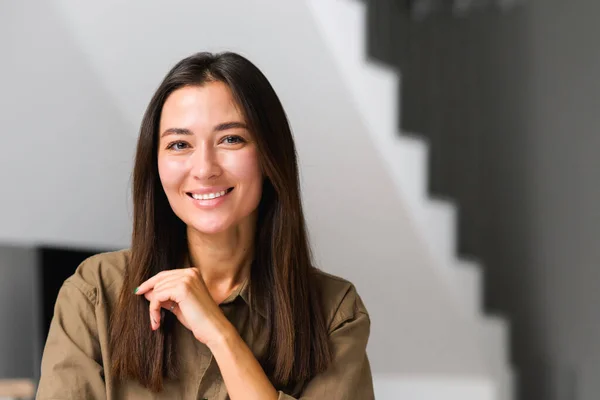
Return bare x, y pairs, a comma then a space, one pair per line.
207, 159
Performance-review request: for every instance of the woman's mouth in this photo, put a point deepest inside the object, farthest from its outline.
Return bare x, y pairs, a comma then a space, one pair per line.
209, 196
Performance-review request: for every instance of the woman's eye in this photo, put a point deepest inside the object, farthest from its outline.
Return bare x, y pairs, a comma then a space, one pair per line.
233, 139
177, 146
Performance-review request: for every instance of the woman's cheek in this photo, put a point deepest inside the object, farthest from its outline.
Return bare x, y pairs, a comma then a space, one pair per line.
244, 165
171, 172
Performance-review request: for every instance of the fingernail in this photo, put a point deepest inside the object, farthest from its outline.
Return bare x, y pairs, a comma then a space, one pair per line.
136, 289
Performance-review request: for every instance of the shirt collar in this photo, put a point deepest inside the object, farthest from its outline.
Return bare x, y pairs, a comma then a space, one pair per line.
243, 291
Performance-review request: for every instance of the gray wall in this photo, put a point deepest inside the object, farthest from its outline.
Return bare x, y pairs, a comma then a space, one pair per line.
511, 105
19, 321
563, 130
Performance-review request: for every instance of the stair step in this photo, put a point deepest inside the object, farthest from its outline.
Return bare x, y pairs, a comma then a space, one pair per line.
496, 346
394, 387
470, 283
376, 90
409, 166
440, 222
496, 342
506, 385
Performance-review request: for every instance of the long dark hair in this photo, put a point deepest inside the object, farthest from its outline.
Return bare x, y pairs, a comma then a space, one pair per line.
282, 275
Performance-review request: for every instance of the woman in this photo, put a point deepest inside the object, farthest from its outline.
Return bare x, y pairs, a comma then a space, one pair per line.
217, 297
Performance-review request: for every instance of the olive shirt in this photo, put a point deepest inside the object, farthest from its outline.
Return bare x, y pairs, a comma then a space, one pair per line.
76, 359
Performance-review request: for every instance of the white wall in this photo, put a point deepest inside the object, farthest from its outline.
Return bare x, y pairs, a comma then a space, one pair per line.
67, 148
77, 80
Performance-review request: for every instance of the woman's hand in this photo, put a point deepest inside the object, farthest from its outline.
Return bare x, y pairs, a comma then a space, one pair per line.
184, 293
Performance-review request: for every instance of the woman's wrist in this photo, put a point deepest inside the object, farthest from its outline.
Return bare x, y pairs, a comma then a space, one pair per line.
243, 375
225, 333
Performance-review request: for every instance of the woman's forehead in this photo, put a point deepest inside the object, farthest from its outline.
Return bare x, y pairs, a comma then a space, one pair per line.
200, 107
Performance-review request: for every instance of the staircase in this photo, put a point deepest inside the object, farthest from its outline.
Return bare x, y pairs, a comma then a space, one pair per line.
374, 88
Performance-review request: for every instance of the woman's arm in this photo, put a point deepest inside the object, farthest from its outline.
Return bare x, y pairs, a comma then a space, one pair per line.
349, 376
72, 361
243, 375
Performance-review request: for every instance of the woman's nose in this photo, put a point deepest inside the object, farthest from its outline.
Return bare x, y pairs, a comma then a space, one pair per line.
204, 163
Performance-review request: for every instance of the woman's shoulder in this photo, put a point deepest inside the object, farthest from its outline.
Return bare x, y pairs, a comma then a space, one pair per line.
339, 297
101, 275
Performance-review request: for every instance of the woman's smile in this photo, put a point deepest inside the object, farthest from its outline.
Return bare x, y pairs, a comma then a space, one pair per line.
209, 198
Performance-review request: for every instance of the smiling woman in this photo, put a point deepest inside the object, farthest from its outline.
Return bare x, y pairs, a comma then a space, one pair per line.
217, 297
208, 160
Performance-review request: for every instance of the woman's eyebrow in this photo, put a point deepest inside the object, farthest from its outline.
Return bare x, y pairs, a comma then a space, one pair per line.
176, 131
229, 125
219, 128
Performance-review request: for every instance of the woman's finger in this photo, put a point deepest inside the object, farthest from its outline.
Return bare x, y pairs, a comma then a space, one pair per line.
172, 307
167, 281
162, 299
154, 310
150, 283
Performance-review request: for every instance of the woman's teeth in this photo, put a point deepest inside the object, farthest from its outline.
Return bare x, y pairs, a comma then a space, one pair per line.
209, 196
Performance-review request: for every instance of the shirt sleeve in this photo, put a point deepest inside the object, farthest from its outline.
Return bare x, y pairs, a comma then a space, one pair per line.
349, 376
72, 361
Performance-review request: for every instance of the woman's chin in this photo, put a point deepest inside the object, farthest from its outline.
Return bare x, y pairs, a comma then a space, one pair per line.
209, 229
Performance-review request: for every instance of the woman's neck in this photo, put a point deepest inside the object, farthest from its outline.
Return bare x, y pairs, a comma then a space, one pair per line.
223, 259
